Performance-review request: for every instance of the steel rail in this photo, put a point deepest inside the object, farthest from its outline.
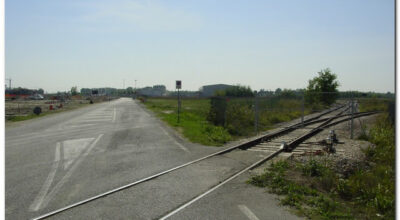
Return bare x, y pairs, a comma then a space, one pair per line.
254, 165
282, 148
246, 145
325, 125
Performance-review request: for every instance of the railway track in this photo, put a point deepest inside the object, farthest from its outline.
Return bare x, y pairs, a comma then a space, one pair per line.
270, 143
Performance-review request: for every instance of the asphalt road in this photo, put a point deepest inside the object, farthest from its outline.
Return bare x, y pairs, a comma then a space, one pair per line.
64, 158
54, 161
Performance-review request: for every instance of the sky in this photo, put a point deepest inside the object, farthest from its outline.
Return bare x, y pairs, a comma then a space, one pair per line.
266, 44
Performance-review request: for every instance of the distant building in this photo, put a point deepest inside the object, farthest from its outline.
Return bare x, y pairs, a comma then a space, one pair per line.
210, 90
98, 91
157, 90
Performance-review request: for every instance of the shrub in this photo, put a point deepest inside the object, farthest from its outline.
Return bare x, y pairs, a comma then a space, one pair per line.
239, 119
217, 112
313, 168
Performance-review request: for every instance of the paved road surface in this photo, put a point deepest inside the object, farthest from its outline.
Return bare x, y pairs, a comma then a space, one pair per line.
57, 160
66, 157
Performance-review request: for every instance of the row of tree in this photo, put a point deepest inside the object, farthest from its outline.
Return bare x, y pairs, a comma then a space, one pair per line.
321, 89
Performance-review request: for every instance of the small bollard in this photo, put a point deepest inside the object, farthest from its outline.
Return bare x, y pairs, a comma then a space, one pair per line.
333, 136
330, 140
284, 146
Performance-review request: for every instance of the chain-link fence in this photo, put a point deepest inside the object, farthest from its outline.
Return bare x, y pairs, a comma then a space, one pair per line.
251, 115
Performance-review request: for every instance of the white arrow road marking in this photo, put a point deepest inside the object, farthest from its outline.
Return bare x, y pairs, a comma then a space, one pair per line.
74, 148
42, 193
248, 212
69, 173
43, 198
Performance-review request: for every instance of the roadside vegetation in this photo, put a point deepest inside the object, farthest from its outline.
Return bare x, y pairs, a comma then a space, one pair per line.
238, 111
221, 119
318, 191
21, 110
374, 104
193, 119
15, 118
28, 110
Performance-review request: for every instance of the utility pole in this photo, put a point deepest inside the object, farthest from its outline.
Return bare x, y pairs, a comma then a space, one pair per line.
9, 83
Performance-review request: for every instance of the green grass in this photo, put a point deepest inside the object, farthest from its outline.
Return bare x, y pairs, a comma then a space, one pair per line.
23, 117
305, 199
193, 123
373, 104
316, 191
239, 117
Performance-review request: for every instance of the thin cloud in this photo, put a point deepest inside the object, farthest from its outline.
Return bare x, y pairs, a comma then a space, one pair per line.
137, 14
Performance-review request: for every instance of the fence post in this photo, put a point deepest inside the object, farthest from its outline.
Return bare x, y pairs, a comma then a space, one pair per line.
352, 121
179, 106
302, 110
255, 113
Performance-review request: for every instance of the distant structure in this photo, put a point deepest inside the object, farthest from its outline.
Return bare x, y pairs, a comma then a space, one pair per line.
156, 90
98, 91
209, 90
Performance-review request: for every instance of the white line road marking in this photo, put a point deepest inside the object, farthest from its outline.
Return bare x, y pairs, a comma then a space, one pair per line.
69, 173
43, 191
57, 187
52, 135
177, 143
73, 149
248, 212
114, 115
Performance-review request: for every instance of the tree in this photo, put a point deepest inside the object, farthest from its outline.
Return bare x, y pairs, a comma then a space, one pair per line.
323, 88
129, 90
287, 93
278, 91
41, 91
74, 90
236, 91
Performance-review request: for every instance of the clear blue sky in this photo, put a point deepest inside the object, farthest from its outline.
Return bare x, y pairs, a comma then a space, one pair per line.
54, 44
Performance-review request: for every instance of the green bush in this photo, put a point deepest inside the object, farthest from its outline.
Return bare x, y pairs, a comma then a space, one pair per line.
217, 134
217, 112
313, 168
374, 187
239, 118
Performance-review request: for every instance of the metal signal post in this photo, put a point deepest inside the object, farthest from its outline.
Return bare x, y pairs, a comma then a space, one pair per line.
179, 86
